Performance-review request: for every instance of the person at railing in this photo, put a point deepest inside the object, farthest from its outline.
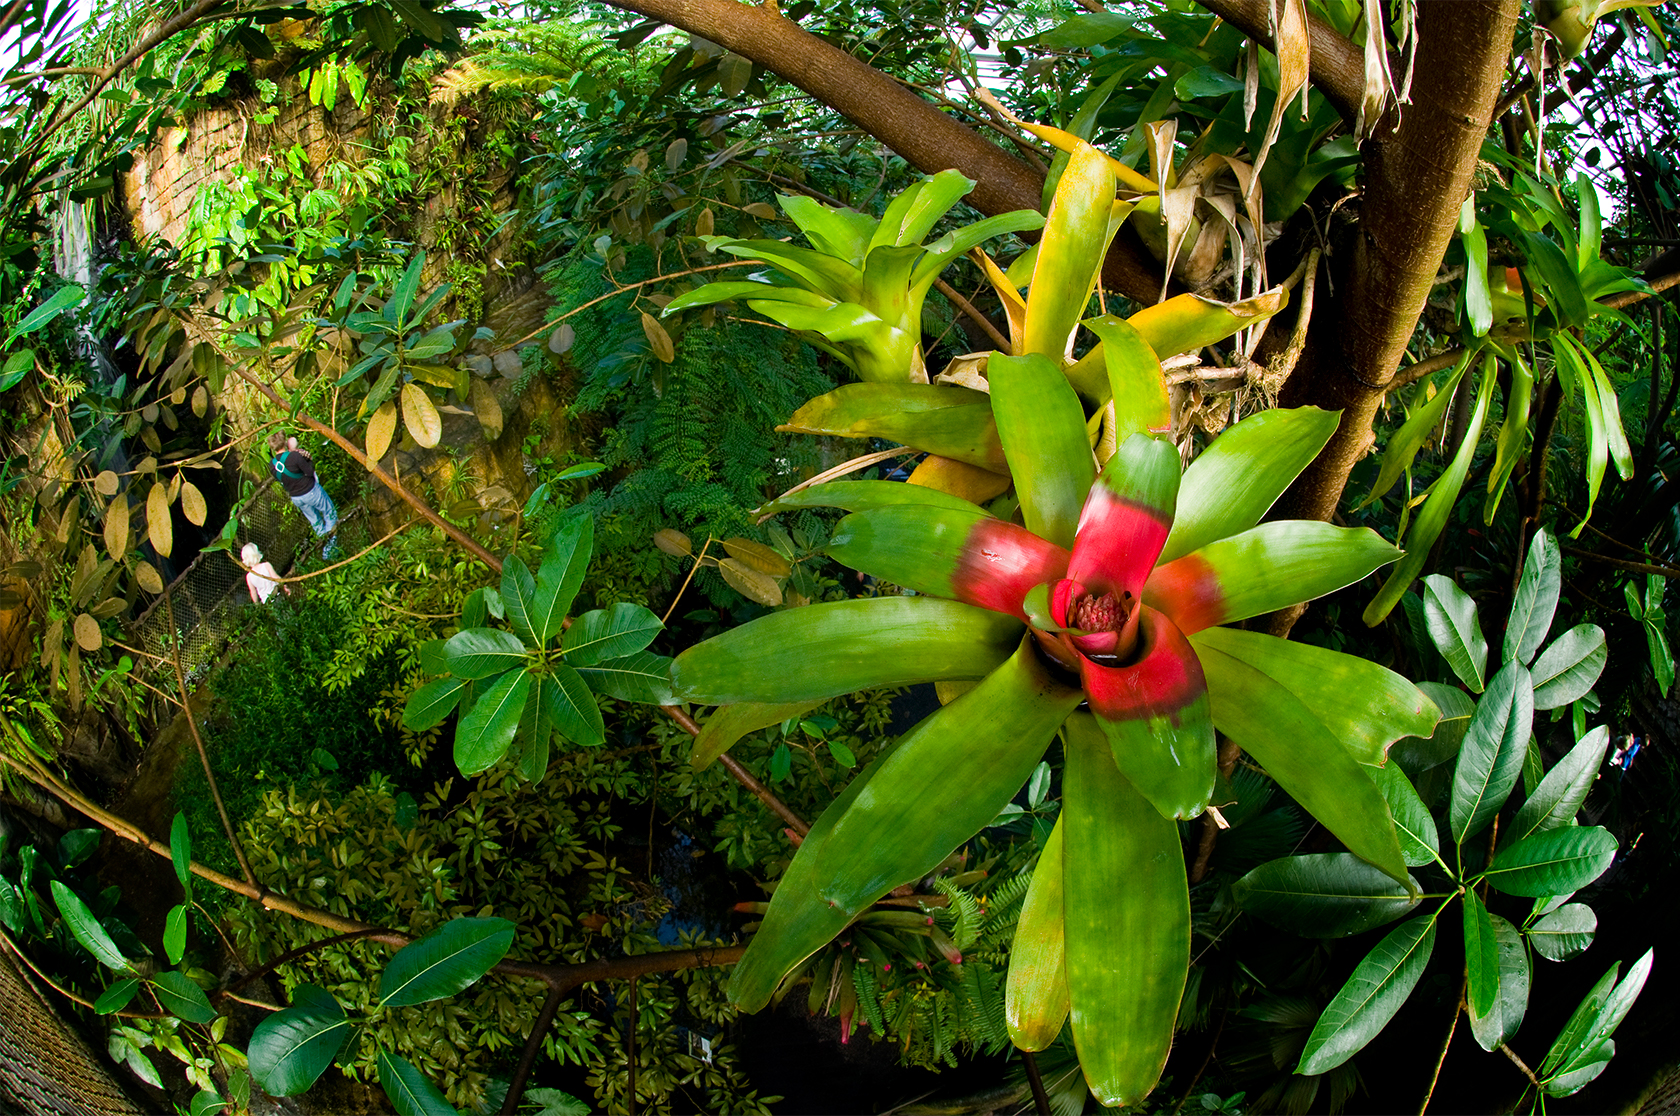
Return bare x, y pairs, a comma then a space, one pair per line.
295, 470
261, 578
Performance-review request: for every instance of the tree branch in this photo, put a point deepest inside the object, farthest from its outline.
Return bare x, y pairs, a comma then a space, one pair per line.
1336, 64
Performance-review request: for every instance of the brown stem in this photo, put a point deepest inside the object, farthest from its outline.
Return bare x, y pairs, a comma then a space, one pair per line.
1635, 567
1520, 1064
1446, 1043
1041, 1099
1415, 372
1628, 298
533, 1047
762, 793
974, 314
198, 740
1229, 752
303, 951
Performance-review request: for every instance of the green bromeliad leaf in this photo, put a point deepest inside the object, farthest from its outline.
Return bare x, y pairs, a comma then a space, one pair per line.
1239, 477
952, 422
1035, 1002
1134, 379
825, 650
731, 722
864, 495
1042, 429
1182, 324
949, 777
1127, 922
1076, 236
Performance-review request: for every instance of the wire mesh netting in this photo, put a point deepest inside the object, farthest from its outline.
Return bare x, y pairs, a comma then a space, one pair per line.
209, 593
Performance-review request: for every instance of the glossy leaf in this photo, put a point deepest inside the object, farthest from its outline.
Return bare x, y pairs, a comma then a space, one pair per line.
565, 560
1239, 477
1567, 669
1323, 895
1500, 1023
1571, 1039
610, 633
1560, 794
1133, 378
800, 920
731, 722
116, 997
915, 811
175, 934
86, 928
1553, 862
409, 1090
1603, 1024
1127, 911
1127, 516
483, 733
483, 652
568, 706
1481, 956
430, 704
1379, 986
1035, 1001
1076, 235
844, 646
442, 963
643, 677
949, 421
1042, 429
1564, 933
1263, 569
1536, 599
1450, 616
863, 495
1513, 432
290, 1049
1187, 323
180, 849
1493, 751
1305, 758
1419, 842
519, 590
180, 997
1403, 444
1418, 753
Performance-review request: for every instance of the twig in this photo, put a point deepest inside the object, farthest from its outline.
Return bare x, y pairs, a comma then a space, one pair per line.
630, 287
840, 470
1636, 567
301, 951
762, 793
1520, 1064
1424, 367
1628, 298
17, 951
366, 550
1452, 1029
974, 314
192, 723
692, 570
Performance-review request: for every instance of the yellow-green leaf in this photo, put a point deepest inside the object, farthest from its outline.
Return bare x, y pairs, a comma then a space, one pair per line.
750, 583
106, 483
658, 340
420, 417
487, 407
160, 528
148, 577
380, 428
87, 632
758, 556
192, 503
116, 527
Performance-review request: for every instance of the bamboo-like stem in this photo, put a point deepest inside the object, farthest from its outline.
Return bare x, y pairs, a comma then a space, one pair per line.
198, 739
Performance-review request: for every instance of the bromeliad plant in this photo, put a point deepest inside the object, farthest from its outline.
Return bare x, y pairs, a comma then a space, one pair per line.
518, 686
1100, 619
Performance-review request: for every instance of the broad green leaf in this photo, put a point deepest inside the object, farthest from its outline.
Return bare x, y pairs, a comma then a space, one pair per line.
1263, 569
116, 997
1481, 956
836, 230
206, 1103
180, 848
1478, 306
1187, 323
292, 1048
842, 647
1570, 1040
1493, 751
180, 997
1620, 452
1134, 380
1417, 754
643, 677
430, 704
1616, 1006
402, 295
1324, 895
1239, 477
1567, 669
1380, 984
409, 1090
565, 560
1419, 842
1536, 601
1431, 519
1307, 759
800, 921
519, 589
1070, 254
61, 300
1581, 1070
610, 633
567, 705
1560, 794
916, 810
86, 928
483, 733
483, 652
1127, 922
1553, 862
1042, 429
1450, 615
175, 934
863, 495
1564, 933
949, 421
1363, 705
1403, 444
442, 963
1035, 997
729, 723
1501, 1022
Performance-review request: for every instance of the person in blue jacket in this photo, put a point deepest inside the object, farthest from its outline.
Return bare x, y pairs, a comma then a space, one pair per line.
295, 471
